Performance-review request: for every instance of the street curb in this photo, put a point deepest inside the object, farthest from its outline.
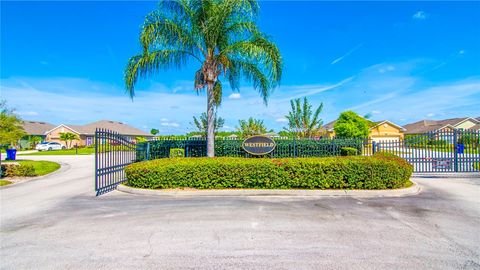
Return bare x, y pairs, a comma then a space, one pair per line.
447, 175
413, 190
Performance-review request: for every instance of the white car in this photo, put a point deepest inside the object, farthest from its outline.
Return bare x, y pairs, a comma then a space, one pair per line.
48, 146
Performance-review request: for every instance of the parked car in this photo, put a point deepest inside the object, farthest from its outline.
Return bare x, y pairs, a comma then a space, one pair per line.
48, 146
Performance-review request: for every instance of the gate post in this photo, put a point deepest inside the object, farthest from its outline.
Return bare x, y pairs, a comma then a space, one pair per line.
455, 150
295, 146
374, 147
147, 155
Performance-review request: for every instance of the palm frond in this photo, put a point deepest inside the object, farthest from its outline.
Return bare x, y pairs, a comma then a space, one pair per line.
147, 64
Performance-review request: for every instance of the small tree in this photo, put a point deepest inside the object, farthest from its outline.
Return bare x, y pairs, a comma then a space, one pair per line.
351, 125
302, 121
154, 131
251, 127
202, 123
68, 137
11, 129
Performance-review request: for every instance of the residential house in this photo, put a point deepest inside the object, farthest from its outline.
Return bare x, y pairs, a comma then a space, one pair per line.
86, 133
34, 128
379, 131
425, 126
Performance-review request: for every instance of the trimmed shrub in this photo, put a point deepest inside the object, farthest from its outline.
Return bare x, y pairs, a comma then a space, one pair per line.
353, 172
177, 152
348, 151
9, 170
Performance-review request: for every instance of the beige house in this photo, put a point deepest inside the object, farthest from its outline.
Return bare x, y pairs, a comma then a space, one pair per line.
379, 131
86, 133
424, 126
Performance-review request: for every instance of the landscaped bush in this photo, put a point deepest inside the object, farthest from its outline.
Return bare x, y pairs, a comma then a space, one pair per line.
348, 151
9, 170
354, 172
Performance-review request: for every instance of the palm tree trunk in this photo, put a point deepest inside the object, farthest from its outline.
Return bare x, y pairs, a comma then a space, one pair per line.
210, 121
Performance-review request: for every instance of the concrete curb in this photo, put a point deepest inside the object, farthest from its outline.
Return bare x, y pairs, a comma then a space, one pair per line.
414, 189
447, 175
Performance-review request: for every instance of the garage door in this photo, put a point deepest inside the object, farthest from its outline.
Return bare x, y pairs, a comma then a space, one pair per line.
386, 139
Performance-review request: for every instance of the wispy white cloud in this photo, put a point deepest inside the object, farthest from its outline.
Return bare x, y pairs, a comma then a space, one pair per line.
281, 120
309, 90
235, 96
169, 124
386, 69
346, 54
420, 15
27, 113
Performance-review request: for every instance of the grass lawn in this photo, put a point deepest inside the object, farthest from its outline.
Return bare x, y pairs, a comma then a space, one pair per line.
4, 183
81, 151
42, 167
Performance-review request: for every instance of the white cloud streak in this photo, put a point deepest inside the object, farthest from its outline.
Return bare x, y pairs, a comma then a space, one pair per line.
346, 54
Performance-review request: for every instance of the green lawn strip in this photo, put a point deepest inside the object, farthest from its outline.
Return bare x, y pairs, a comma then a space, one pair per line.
81, 151
41, 167
4, 182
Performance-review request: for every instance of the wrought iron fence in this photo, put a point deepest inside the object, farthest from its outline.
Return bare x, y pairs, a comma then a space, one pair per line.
445, 150
197, 147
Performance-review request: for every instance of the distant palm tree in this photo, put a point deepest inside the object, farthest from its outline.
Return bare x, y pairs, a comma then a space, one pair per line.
68, 138
34, 140
302, 121
202, 123
251, 127
221, 36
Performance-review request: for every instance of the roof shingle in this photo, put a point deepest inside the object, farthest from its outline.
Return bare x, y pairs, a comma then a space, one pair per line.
36, 127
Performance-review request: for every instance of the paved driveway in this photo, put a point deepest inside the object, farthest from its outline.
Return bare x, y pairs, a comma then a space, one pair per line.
57, 223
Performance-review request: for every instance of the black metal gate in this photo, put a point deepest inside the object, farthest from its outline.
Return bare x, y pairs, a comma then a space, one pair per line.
438, 151
113, 152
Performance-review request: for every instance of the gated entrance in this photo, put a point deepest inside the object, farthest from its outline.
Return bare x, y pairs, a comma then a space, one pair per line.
113, 152
438, 151
445, 150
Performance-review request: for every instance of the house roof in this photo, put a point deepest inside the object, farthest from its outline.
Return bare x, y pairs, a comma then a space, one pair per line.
424, 126
329, 126
376, 124
122, 128
36, 127
476, 127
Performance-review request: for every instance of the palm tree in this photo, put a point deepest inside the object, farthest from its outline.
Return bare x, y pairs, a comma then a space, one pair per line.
251, 127
68, 137
34, 140
202, 123
221, 36
302, 121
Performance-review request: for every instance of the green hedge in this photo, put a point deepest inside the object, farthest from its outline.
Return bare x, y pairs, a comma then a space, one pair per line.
351, 172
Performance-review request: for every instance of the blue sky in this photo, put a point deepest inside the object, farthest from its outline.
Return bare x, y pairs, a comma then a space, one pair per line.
63, 62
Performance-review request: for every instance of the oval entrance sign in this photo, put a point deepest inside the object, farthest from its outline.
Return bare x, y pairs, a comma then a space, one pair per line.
258, 145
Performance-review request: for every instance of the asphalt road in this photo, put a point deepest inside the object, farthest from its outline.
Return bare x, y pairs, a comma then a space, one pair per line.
57, 223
